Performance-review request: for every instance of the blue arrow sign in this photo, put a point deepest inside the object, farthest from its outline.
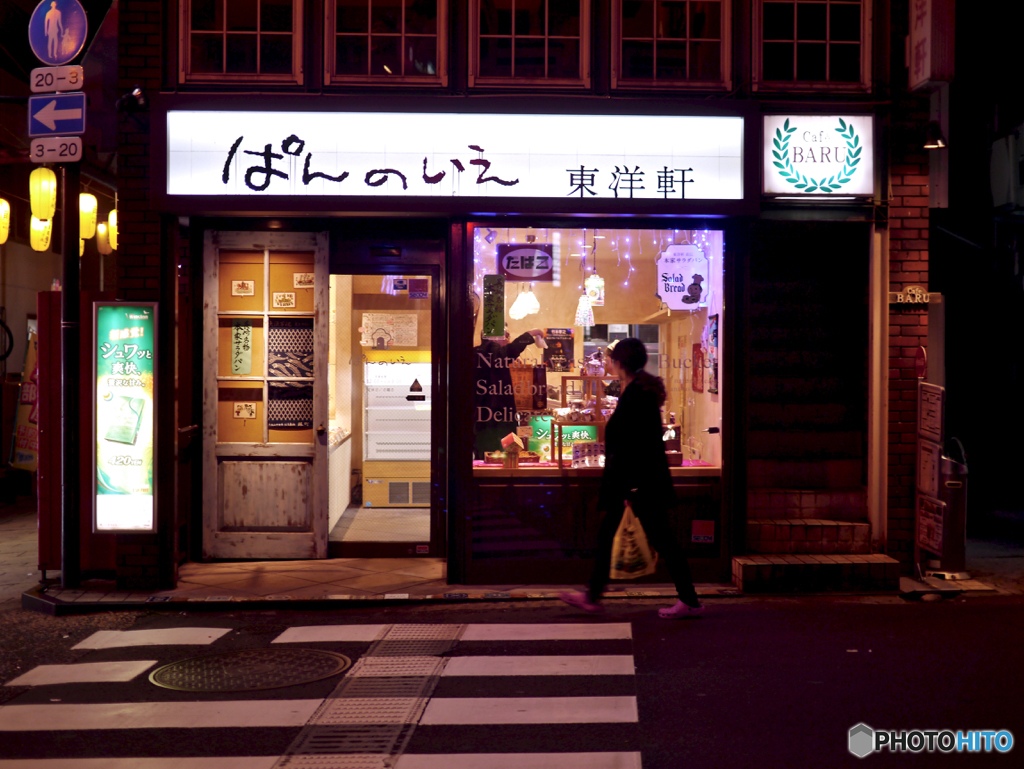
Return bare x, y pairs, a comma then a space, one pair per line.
57, 30
59, 114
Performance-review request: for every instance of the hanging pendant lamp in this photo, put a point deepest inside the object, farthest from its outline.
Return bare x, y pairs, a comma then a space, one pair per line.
5, 220
42, 189
584, 312
87, 207
102, 239
39, 235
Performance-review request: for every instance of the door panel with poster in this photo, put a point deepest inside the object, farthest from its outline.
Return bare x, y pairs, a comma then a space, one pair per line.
266, 444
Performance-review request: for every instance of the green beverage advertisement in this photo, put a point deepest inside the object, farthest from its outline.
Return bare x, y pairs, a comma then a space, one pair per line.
125, 416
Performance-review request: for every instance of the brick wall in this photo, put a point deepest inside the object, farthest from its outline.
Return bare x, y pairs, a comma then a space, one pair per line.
908, 330
139, 235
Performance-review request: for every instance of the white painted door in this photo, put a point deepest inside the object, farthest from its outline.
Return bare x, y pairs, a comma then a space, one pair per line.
264, 395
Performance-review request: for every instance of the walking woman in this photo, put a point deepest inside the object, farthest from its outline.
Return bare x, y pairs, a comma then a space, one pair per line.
636, 471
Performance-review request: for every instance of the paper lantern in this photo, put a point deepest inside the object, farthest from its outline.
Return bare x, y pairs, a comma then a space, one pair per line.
112, 228
81, 247
39, 236
5, 220
102, 240
42, 189
86, 215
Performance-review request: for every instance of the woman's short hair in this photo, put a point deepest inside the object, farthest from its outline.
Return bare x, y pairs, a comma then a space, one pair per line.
629, 353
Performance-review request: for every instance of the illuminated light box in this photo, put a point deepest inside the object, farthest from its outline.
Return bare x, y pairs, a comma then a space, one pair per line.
367, 154
819, 155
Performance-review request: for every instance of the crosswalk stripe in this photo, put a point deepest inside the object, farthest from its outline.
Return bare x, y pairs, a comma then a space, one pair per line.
529, 710
518, 761
317, 633
156, 715
83, 673
175, 636
205, 762
548, 632
577, 665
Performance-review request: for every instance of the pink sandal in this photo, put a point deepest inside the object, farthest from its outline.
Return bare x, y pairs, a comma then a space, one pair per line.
581, 601
680, 611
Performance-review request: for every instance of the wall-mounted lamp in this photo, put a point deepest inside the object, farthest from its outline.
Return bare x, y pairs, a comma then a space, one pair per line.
933, 138
133, 100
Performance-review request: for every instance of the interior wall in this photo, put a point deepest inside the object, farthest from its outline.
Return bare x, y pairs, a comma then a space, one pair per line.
24, 274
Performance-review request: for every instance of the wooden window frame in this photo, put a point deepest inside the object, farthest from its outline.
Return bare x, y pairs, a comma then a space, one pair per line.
621, 83
439, 79
863, 86
478, 81
185, 75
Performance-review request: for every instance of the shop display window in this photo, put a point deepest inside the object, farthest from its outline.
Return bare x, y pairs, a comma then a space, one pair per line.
671, 43
240, 40
387, 41
542, 409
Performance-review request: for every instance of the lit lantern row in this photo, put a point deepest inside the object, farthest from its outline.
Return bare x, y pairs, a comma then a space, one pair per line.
43, 200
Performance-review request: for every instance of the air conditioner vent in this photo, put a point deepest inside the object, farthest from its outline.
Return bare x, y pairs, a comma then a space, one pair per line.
421, 492
398, 492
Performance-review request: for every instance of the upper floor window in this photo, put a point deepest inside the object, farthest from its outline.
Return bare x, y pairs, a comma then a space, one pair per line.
814, 43
386, 41
241, 40
530, 42
681, 43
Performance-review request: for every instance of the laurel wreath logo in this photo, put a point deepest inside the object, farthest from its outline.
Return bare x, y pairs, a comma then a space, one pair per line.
801, 182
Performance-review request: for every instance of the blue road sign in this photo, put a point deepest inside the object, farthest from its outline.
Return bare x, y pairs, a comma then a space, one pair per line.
57, 30
57, 114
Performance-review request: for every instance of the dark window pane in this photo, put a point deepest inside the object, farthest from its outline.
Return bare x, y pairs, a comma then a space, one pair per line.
810, 21
564, 17
705, 61
496, 17
778, 61
385, 55
352, 16
276, 54
242, 16
386, 16
495, 57
844, 66
638, 18
672, 61
671, 20
421, 17
241, 53
564, 58
705, 21
207, 14
778, 21
810, 61
844, 22
421, 56
276, 16
529, 58
351, 56
637, 60
530, 17
207, 53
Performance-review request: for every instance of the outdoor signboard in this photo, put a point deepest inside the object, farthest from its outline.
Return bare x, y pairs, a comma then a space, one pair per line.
819, 155
124, 400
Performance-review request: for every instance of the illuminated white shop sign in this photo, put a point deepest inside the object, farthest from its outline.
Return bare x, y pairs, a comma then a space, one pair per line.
820, 155
396, 155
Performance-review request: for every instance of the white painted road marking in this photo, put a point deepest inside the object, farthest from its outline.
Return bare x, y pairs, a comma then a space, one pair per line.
174, 636
530, 710
579, 665
205, 762
156, 715
318, 633
517, 761
548, 632
83, 673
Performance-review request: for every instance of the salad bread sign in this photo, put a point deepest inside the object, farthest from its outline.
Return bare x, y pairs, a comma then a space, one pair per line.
683, 271
819, 155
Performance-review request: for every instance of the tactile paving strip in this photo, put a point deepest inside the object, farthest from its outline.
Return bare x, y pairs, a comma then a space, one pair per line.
368, 710
416, 641
249, 670
396, 666
335, 762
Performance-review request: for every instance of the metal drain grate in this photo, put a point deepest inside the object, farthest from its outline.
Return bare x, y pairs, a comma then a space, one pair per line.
249, 670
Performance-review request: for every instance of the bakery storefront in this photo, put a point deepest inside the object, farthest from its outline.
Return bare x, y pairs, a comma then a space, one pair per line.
404, 318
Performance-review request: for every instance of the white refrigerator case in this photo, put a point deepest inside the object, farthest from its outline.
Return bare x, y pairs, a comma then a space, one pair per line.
395, 427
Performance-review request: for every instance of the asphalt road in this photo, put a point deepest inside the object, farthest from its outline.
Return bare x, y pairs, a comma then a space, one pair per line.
753, 683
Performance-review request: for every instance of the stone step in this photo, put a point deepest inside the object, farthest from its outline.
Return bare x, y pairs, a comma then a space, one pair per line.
801, 536
816, 573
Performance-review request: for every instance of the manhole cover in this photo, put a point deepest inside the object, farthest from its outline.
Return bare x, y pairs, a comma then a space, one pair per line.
248, 670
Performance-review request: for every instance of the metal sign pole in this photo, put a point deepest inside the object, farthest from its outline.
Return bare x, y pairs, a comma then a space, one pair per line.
71, 500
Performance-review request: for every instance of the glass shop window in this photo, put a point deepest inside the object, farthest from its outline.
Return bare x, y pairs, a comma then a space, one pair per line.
387, 41
671, 43
240, 40
530, 42
548, 302
814, 44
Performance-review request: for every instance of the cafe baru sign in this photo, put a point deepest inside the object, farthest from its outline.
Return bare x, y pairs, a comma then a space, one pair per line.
614, 158
819, 155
